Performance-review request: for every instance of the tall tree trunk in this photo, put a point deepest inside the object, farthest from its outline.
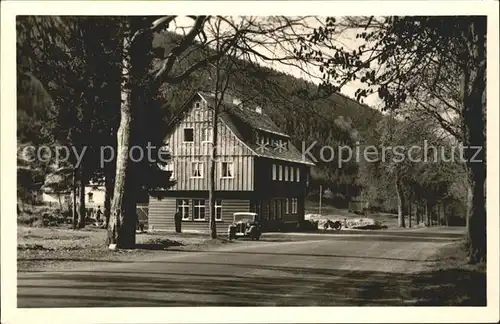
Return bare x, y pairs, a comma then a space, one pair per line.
469, 200
476, 230
409, 212
474, 112
82, 210
213, 157
60, 202
400, 197
445, 214
109, 187
428, 213
211, 193
122, 222
417, 214
438, 214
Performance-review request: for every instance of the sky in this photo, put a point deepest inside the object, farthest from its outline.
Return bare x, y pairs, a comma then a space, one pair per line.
347, 39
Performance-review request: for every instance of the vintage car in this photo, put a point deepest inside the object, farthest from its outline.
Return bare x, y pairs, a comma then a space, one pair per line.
245, 224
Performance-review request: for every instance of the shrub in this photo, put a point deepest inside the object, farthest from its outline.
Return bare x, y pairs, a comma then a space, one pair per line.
42, 217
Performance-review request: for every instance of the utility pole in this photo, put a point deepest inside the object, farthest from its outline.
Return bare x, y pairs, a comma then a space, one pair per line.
320, 194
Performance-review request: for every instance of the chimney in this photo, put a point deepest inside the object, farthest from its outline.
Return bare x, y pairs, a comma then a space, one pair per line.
258, 109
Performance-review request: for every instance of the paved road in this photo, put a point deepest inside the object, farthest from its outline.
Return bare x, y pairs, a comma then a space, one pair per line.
348, 269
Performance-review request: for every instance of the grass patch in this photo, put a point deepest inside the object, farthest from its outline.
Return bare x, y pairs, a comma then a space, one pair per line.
53, 248
453, 281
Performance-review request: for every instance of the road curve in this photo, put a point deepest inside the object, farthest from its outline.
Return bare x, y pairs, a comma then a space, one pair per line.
329, 271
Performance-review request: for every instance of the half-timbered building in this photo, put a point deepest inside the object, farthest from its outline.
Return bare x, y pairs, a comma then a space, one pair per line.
257, 168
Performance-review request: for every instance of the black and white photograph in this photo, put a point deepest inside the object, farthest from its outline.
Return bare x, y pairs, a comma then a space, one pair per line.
176, 161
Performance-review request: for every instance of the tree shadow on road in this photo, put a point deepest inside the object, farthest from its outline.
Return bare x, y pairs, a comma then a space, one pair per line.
268, 286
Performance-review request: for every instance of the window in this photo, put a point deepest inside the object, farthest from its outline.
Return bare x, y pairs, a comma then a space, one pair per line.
207, 134
198, 209
183, 208
91, 197
274, 171
218, 210
280, 172
197, 105
286, 173
196, 170
297, 178
287, 206
227, 169
294, 205
292, 171
188, 135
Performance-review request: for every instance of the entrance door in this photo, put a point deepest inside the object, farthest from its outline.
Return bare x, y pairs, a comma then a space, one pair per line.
265, 209
279, 209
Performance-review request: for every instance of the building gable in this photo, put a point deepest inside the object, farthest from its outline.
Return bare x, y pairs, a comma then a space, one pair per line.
190, 145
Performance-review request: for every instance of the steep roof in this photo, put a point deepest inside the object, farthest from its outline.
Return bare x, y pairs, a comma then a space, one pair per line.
256, 120
242, 119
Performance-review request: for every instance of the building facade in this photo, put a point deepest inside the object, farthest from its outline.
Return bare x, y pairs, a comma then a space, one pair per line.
257, 169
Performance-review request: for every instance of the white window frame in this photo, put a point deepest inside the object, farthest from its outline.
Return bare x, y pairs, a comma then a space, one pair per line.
209, 138
275, 172
199, 163
294, 205
184, 135
228, 163
184, 215
218, 206
280, 172
198, 206
292, 171
286, 172
297, 178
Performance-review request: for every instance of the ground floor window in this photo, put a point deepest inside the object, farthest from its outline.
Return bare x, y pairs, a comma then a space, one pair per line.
198, 209
218, 210
183, 208
294, 205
